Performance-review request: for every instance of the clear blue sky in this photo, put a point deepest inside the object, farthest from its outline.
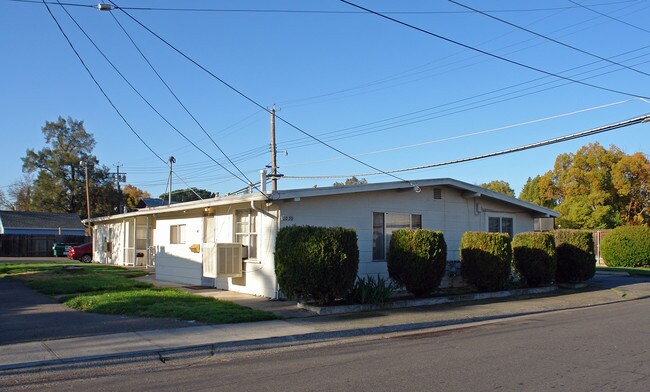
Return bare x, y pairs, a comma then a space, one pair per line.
338, 73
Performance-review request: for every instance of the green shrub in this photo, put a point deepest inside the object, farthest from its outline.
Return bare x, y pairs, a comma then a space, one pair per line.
316, 264
417, 259
576, 260
485, 260
367, 290
627, 246
534, 258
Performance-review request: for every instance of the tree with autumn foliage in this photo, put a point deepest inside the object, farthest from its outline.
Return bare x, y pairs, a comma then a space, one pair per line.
132, 195
594, 188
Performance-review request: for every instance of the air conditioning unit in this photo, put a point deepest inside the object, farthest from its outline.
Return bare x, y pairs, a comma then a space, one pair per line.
544, 224
222, 260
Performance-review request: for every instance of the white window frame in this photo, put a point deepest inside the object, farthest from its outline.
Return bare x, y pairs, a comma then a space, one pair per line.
252, 232
181, 233
386, 236
500, 217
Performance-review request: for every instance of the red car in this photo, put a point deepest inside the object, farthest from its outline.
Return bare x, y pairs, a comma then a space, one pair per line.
83, 252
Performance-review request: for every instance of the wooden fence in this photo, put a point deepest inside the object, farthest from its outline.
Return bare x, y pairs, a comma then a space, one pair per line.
35, 245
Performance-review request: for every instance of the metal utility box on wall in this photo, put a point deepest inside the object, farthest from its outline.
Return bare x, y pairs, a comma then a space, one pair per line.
222, 260
544, 224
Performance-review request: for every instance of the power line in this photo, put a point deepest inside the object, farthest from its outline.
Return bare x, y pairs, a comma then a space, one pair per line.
144, 99
489, 53
101, 89
248, 181
364, 129
254, 102
547, 37
590, 132
303, 11
609, 16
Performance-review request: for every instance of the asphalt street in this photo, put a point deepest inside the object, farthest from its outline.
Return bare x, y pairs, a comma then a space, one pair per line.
603, 348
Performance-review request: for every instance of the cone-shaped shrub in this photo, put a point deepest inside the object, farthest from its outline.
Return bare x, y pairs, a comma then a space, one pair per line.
417, 259
485, 259
627, 246
316, 264
576, 260
534, 258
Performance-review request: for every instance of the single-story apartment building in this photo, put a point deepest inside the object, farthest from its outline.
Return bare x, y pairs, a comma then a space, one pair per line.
228, 242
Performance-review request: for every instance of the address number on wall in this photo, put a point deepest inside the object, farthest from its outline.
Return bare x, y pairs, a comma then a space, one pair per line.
287, 218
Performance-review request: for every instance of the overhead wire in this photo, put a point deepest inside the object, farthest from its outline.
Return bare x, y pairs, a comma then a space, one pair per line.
248, 181
610, 127
470, 47
609, 16
259, 105
146, 100
547, 37
334, 12
101, 89
485, 131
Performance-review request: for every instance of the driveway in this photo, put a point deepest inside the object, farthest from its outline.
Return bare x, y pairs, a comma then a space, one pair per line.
26, 315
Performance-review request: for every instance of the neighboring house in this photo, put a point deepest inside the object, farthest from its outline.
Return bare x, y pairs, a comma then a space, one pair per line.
147, 202
50, 223
200, 242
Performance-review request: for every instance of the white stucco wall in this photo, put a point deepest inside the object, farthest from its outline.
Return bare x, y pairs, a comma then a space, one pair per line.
176, 262
259, 273
453, 215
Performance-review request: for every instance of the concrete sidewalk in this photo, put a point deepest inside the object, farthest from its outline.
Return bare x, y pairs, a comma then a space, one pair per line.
311, 329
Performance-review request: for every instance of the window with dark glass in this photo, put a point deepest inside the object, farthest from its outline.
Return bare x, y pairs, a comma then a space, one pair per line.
383, 226
500, 225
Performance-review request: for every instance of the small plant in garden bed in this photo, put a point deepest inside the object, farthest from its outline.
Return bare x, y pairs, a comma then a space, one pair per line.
368, 290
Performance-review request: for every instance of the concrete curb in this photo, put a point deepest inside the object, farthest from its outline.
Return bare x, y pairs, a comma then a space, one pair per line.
409, 303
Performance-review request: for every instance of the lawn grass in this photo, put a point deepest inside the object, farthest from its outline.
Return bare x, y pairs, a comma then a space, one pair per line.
52, 279
108, 289
159, 302
638, 271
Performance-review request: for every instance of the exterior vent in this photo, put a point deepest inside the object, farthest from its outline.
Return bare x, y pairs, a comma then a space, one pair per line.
544, 224
222, 260
437, 193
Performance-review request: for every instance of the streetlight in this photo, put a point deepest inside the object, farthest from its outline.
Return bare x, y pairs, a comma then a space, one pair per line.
85, 165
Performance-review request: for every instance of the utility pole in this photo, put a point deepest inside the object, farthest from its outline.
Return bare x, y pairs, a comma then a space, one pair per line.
172, 160
119, 178
85, 165
274, 166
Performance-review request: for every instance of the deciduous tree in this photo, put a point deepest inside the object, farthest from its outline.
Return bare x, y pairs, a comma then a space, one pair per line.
183, 195
133, 194
60, 175
499, 186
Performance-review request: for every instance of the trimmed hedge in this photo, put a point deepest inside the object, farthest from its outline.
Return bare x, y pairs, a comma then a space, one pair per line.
417, 259
316, 264
485, 259
627, 246
534, 258
576, 260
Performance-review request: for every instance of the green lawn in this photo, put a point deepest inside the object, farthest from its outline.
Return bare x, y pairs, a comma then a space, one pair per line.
112, 290
639, 271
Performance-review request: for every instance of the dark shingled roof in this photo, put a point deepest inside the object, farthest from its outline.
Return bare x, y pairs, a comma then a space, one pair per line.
40, 220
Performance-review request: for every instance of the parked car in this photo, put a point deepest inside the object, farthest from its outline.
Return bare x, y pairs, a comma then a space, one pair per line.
61, 249
83, 252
